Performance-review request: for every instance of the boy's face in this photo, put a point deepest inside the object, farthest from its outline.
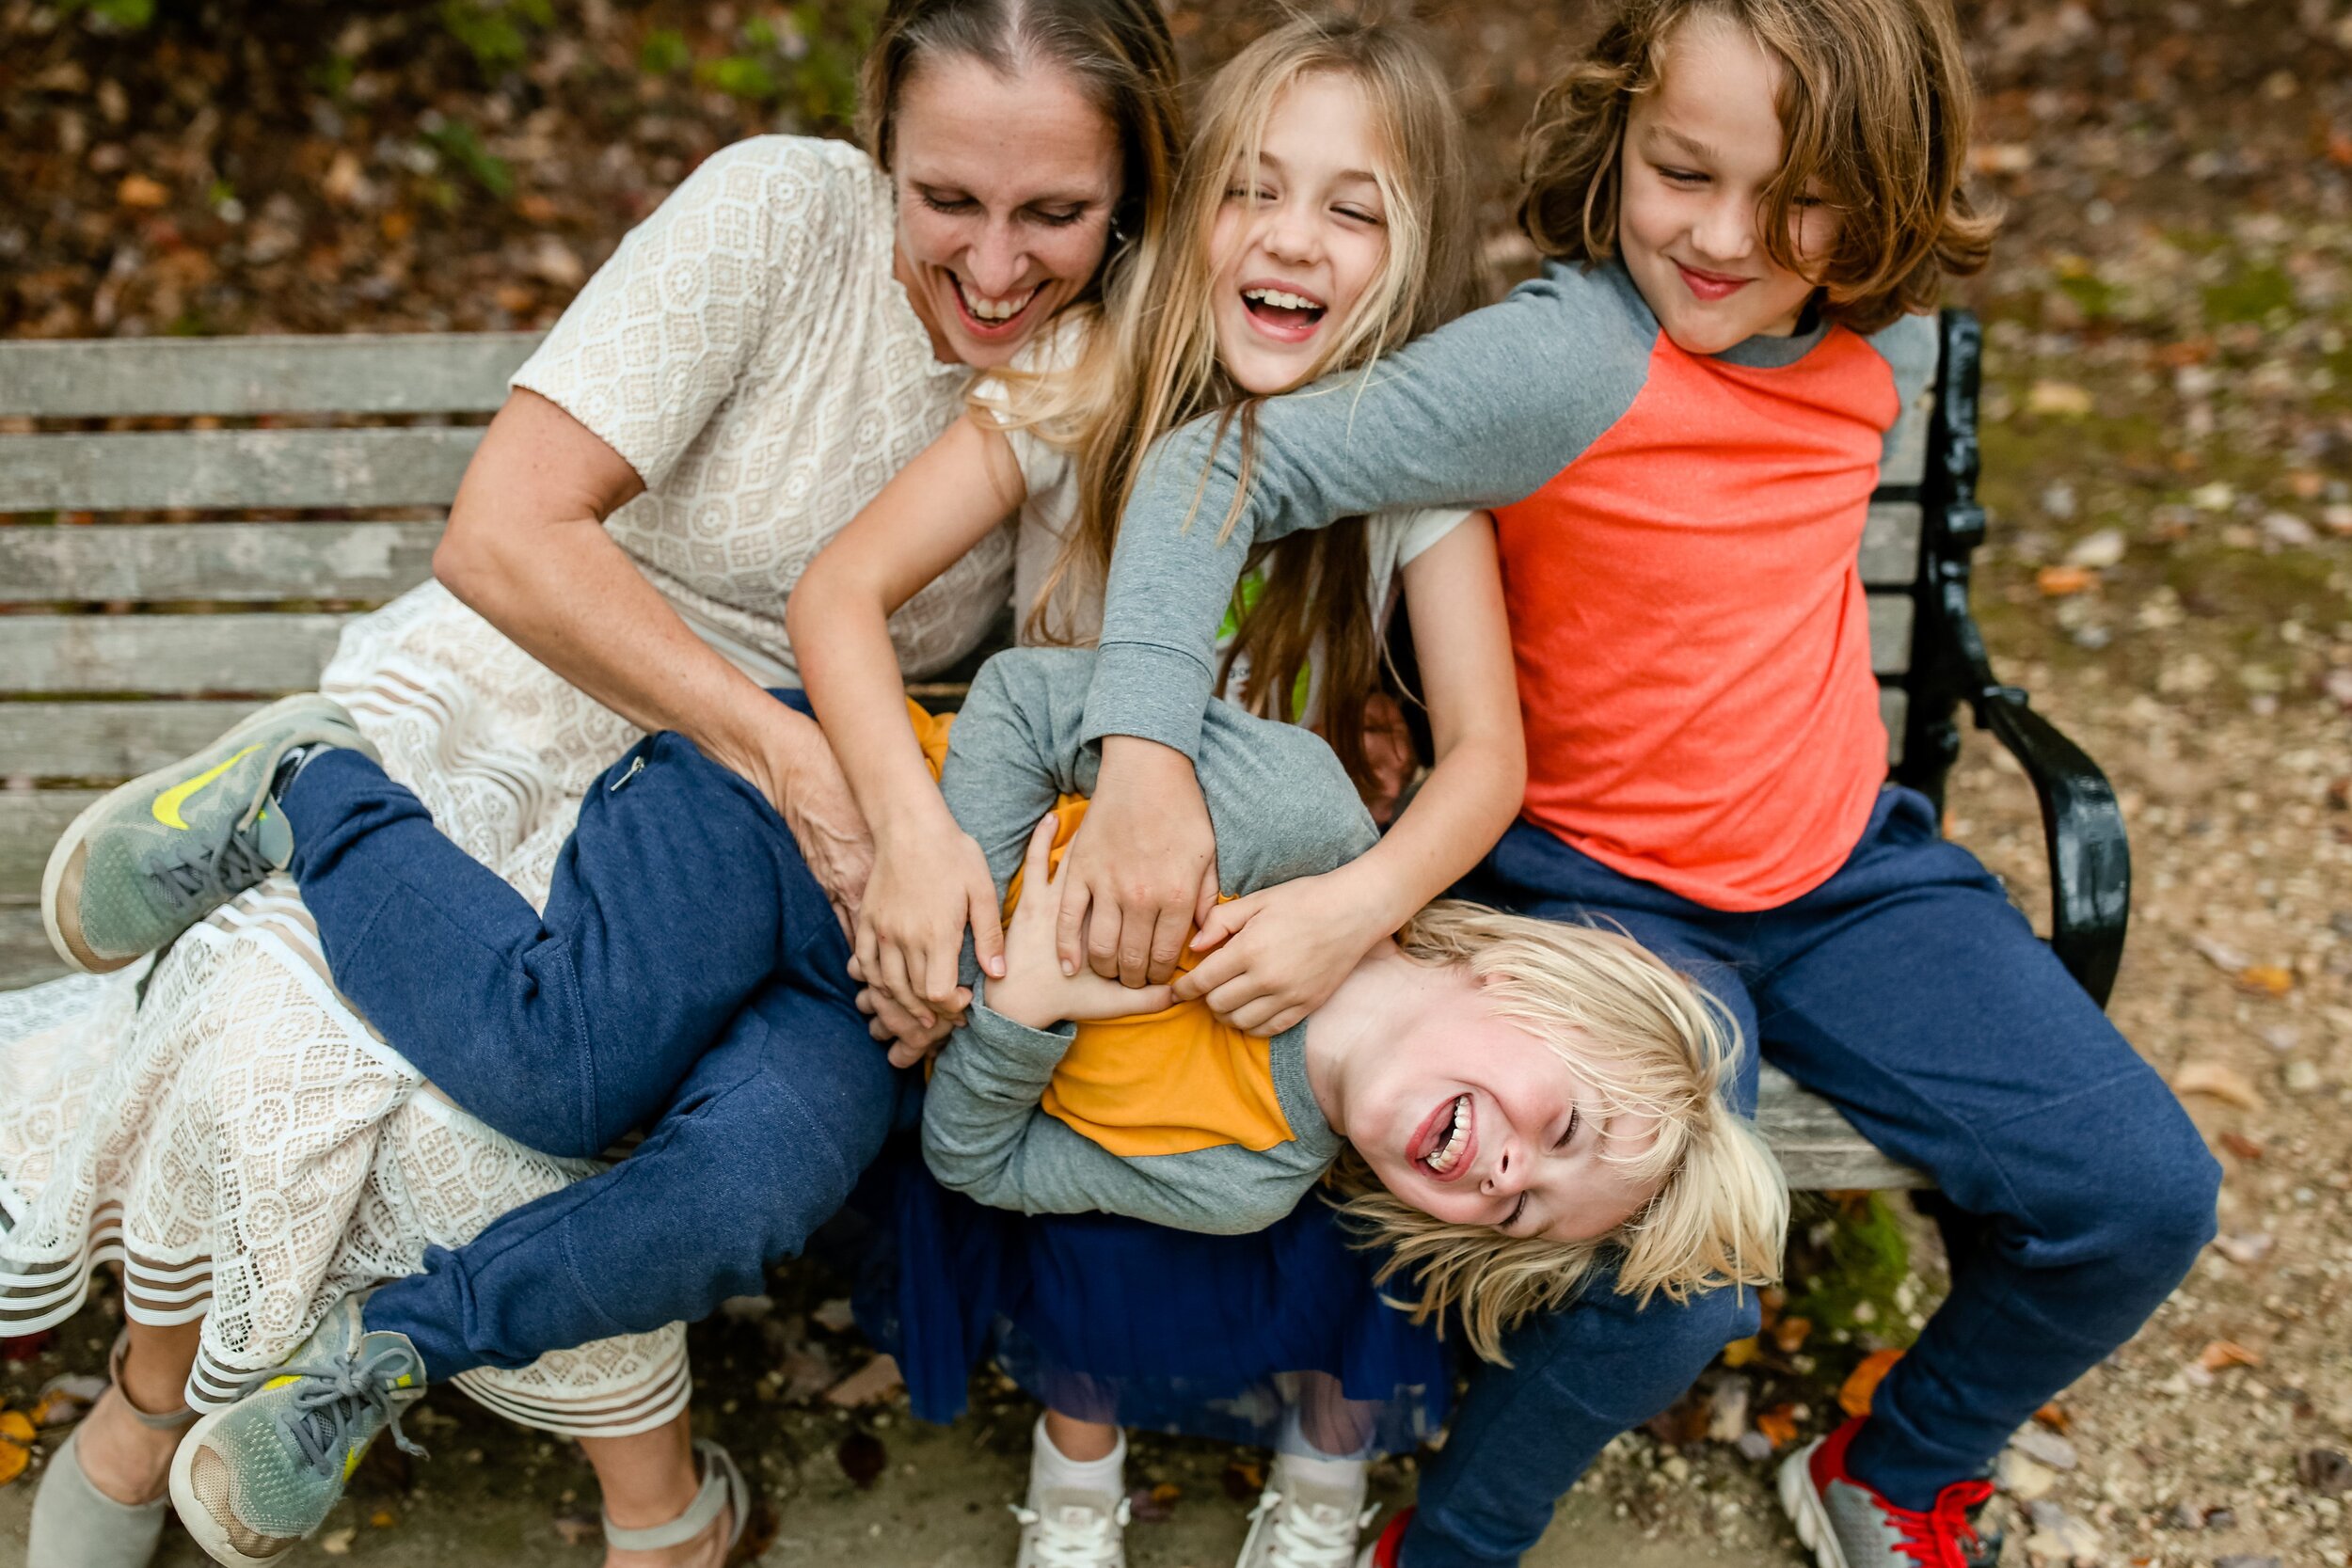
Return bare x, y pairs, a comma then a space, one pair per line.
1471, 1117
1698, 153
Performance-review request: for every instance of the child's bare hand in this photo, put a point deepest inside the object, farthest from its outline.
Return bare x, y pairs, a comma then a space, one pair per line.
1273, 957
910, 1040
927, 883
1034, 991
1142, 870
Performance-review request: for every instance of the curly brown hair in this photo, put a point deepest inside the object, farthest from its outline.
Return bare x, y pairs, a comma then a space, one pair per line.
1875, 101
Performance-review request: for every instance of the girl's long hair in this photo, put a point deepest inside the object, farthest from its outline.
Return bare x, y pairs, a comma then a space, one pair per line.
1151, 364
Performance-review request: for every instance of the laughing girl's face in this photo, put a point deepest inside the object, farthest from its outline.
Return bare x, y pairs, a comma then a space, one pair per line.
1006, 186
1300, 237
1471, 1117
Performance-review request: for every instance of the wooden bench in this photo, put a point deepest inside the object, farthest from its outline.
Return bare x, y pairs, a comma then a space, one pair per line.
278, 486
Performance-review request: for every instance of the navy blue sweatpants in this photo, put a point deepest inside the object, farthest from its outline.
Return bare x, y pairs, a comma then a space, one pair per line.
1910, 992
687, 976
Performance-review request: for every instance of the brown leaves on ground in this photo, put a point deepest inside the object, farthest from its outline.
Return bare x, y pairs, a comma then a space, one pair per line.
2217, 1081
16, 1444
1853, 1397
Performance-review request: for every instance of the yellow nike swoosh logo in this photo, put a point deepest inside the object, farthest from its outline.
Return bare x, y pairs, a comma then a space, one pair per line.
167, 804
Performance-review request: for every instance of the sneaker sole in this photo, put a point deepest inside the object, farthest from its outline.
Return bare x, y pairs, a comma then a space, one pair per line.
1802, 1504
194, 1517
53, 892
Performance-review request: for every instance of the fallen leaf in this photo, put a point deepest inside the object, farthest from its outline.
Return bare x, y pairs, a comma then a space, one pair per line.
2218, 1082
1853, 1396
2220, 953
862, 1458
2058, 583
2055, 1417
2062, 398
1154, 1505
2244, 1247
13, 1458
1778, 1425
2241, 1146
2266, 979
1789, 1334
869, 1383
579, 1529
382, 1519
137, 190
17, 1427
2222, 1353
1244, 1480
1740, 1352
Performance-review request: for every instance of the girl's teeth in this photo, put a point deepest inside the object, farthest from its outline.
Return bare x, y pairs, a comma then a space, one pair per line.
1277, 297
1444, 1158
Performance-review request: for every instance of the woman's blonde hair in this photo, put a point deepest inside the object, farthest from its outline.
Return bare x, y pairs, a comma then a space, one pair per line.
1654, 1047
1152, 364
1875, 102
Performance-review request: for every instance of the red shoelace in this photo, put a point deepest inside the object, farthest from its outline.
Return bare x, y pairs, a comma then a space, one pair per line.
1933, 1539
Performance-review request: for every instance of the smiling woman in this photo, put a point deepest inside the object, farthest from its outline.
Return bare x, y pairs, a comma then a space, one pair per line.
762, 353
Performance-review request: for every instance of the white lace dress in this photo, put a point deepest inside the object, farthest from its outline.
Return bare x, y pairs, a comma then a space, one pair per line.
222, 1121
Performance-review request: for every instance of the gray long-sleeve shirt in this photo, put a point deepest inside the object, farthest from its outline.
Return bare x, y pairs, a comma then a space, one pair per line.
1282, 807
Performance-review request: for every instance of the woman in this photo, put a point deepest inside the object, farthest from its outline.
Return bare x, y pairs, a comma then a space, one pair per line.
797, 322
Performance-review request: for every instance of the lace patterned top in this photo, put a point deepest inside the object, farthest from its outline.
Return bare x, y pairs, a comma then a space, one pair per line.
748, 351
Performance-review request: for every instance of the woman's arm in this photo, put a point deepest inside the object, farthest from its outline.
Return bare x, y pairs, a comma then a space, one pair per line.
929, 877
525, 547
1284, 950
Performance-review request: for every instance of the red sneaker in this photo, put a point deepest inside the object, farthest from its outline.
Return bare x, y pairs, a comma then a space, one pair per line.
1382, 1553
1848, 1525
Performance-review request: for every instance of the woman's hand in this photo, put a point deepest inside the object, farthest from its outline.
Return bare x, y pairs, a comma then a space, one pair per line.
788, 762
910, 1042
929, 878
1142, 872
1275, 956
1039, 988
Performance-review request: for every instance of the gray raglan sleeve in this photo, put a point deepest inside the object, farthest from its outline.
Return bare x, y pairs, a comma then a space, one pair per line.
1479, 413
984, 1137
1282, 805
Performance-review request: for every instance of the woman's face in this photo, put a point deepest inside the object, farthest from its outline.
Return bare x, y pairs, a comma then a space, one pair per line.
1006, 186
1470, 1116
1294, 261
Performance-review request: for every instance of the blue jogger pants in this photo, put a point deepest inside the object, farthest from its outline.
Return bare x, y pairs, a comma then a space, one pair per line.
1910, 992
687, 976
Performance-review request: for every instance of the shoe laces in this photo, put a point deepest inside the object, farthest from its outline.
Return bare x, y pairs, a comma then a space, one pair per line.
1310, 1535
208, 875
329, 1401
1073, 1537
1939, 1537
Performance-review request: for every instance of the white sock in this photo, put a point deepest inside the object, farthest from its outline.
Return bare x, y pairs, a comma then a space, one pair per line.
1296, 1453
1051, 1470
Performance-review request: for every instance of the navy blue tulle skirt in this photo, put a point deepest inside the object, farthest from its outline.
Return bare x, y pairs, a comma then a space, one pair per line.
1102, 1318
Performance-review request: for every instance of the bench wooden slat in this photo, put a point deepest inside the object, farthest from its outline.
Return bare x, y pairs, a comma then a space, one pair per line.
25, 957
235, 468
105, 740
216, 561
1818, 1150
362, 373
1906, 459
30, 821
1891, 615
76, 656
1890, 545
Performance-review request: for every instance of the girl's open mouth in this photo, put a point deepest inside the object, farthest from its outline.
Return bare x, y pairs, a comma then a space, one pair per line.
1446, 1143
1281, 313
987, 317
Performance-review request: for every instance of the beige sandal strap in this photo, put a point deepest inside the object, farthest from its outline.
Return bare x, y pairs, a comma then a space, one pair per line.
723, 1486
171, 1421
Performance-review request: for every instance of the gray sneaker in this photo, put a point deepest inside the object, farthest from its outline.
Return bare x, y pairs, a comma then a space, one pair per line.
250, 1481
1847, 1524
1298, 1524
153, 858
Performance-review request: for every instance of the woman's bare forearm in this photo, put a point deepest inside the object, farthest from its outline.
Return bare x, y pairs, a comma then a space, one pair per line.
842, 632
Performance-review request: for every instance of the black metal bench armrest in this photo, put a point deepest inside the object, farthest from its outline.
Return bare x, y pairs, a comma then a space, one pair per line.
2090, 860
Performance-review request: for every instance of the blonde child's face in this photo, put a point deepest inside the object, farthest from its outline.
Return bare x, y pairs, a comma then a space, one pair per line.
1294, 263
1698, 153
1472, 1119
